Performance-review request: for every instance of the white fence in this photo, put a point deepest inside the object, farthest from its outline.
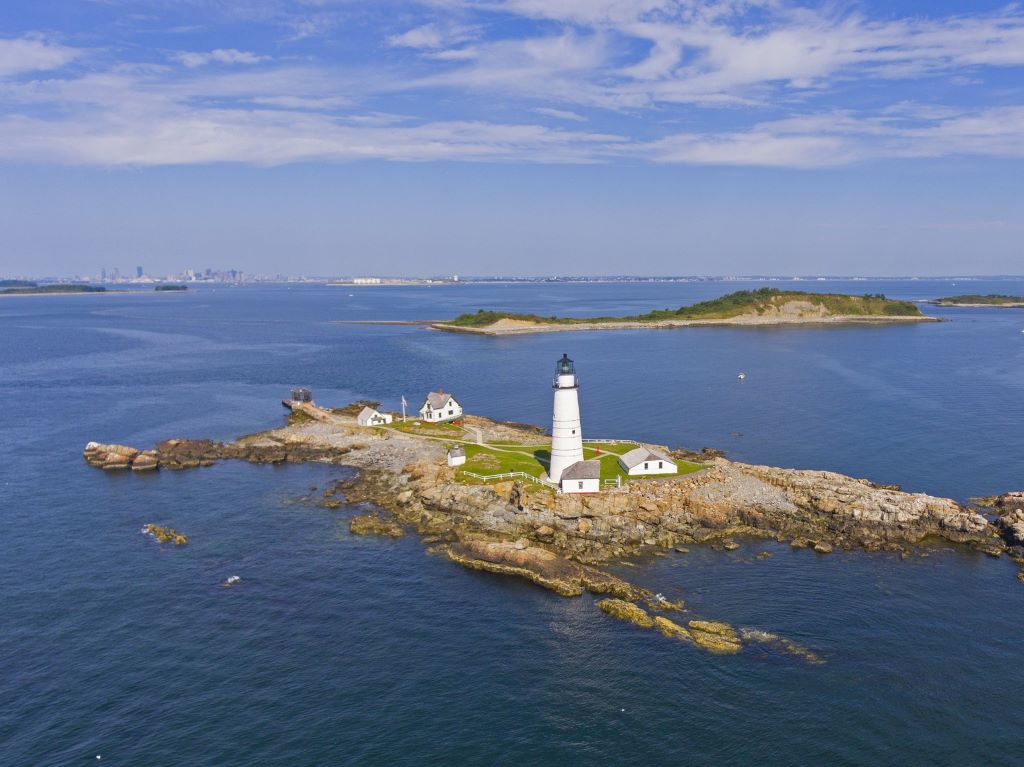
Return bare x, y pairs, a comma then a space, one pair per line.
510, 475
613, 441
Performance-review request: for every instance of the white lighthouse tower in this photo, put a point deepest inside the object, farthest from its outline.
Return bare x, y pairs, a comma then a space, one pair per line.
566, 433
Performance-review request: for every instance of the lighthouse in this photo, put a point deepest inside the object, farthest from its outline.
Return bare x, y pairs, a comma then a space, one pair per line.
566, 433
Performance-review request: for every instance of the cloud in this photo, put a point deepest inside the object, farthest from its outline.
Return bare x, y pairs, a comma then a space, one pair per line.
560, 114
768, 83
272, 138
218, 56
432, 36
31, 54
841, 138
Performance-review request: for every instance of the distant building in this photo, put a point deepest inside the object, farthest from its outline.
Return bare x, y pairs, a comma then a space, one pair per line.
581, 477
370, 417
643, 461
138, 271
302, 394
440, 406
456, 456
367, 281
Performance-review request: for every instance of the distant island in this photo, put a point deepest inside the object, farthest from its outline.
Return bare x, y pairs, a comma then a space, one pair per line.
170, 288
23, 287
767, 306
978, 300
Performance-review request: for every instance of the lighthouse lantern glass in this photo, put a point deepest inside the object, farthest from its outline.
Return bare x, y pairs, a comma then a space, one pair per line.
564, 366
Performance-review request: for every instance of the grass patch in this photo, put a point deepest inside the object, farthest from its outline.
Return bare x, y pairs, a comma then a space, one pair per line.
422, 428
742, 302
534, 460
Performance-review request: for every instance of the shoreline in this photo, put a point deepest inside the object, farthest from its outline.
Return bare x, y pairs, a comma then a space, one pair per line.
524, 328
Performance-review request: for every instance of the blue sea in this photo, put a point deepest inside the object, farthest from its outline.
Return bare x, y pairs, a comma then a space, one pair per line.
335, 649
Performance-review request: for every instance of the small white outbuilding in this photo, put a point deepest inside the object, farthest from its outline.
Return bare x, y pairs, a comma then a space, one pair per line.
581, 477
370, 417
643, 461
457, 456
440, 406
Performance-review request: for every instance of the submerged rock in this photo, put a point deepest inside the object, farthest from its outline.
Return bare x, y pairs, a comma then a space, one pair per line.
372, 525
627, 611
165, 534
823, 548
787, 646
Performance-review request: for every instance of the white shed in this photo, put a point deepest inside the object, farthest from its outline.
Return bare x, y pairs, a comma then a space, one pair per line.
457, 456
440, 406
370, 417
642, 461
581, 477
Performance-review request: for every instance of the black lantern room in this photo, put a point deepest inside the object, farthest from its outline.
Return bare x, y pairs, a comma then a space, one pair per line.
564, 366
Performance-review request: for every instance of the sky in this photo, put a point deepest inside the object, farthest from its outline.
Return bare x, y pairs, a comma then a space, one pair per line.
512, 137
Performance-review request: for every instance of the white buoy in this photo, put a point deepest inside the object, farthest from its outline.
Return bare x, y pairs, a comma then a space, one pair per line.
742, 376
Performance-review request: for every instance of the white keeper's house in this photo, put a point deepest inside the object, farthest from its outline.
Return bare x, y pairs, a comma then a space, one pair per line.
581, 477
440, 406
370, 417
642, 461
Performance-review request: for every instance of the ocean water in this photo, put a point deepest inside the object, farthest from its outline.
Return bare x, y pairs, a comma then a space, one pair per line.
336, 649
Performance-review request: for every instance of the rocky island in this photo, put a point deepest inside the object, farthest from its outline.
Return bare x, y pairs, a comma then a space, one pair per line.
26, 288
767, 306
973, 300
559, 541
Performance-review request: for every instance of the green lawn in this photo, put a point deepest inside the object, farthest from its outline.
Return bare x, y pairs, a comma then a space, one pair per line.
428, 429
487, 460
484, 460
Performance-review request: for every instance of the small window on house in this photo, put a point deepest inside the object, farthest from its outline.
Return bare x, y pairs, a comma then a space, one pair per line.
581, 485
661, 465
573, 431
645, 466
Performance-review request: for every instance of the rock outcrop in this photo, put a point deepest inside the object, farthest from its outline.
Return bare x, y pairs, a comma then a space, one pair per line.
369, 524
541, 566
165, 534
715, 636
627, 611
110, 456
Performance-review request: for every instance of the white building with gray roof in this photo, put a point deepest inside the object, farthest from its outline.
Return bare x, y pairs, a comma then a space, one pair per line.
643, 461
370, 417
581, 477
457, 456
440, 406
